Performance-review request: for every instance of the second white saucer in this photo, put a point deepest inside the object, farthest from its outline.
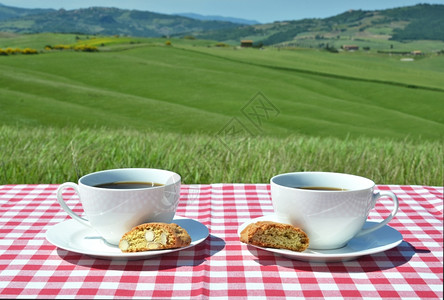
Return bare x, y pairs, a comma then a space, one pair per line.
378, 241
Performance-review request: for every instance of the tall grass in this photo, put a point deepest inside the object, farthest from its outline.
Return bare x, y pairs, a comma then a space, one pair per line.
54, 155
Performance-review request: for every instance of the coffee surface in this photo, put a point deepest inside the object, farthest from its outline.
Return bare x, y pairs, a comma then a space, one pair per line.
123, 185
319, 188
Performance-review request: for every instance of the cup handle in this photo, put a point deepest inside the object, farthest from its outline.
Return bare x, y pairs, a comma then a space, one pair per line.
65, 207
386, 220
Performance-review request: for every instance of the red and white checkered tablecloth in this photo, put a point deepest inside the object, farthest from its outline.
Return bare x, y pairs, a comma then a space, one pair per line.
221, 266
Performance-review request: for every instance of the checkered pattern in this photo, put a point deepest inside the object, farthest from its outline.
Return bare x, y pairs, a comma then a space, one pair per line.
221, 266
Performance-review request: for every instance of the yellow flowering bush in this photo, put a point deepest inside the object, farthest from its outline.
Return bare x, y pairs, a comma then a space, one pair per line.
29, 51
9, 51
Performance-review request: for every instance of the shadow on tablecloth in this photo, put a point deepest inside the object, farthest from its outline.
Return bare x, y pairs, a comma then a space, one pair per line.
386, 260
188, 257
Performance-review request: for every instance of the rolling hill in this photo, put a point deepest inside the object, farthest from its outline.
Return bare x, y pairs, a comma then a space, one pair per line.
187, 87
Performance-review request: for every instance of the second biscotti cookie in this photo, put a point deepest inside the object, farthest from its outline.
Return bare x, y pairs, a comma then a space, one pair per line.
154, 236
275, 235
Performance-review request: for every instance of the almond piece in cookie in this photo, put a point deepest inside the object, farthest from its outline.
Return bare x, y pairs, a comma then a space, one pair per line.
275, 235
154, 236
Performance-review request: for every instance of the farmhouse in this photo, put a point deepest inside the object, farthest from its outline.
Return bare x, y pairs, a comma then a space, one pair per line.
246, 43
350, 47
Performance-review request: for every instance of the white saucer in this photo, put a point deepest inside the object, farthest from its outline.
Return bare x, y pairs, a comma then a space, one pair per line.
73, 236
377, 241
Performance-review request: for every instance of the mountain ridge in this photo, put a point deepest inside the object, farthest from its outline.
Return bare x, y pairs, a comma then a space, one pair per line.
419, 22
8, 12
219, 18
102, 20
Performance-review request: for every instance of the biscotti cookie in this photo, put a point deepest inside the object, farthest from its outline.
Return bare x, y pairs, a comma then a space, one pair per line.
275, 235
154, 236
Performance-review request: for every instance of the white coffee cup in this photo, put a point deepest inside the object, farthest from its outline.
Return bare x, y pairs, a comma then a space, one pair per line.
330, 218
111, 212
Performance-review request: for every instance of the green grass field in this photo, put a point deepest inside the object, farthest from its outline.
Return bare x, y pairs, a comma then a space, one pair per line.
54, 155
182, 98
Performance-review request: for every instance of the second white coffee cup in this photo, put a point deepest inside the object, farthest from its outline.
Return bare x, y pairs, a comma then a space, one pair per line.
330, 207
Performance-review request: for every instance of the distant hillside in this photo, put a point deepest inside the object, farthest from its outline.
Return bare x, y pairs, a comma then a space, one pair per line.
100, 20
219, 18
411, 23
424, 22
7, 12
420, 22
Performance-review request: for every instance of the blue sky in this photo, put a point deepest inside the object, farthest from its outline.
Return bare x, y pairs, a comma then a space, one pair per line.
264, 11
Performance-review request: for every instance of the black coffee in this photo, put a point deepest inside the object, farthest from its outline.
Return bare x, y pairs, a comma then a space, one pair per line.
319, 188
123, 185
